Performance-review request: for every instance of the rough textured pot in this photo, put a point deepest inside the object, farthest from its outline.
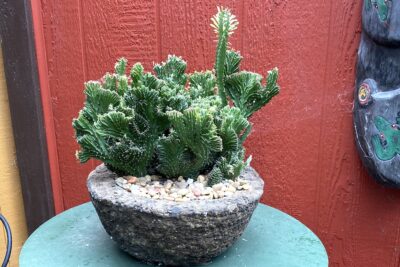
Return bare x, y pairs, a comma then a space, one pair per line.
168, 232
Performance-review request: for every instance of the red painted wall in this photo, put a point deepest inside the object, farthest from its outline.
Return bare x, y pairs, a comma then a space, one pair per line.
302, 143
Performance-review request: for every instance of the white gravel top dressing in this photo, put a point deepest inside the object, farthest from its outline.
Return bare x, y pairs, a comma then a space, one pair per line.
180, 190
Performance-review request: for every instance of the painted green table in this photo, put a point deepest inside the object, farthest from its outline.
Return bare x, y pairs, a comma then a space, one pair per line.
77, 238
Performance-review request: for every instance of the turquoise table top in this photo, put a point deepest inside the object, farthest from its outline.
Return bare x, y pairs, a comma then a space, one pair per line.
77, 238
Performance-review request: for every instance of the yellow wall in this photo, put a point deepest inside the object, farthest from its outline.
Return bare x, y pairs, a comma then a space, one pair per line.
11, 204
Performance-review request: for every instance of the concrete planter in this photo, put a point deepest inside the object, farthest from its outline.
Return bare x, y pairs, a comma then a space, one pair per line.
168, 232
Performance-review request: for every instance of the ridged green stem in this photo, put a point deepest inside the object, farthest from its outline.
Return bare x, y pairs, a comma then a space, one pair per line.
220, 61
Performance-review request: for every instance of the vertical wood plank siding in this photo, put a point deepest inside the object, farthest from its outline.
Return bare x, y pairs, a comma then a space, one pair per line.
302, 143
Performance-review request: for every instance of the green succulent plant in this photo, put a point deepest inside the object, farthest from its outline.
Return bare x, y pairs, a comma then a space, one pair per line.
173, 123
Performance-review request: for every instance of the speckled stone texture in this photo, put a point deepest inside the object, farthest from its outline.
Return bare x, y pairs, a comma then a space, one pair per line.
167, 232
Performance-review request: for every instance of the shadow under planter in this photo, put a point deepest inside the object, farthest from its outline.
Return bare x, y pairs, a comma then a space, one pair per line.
168, 232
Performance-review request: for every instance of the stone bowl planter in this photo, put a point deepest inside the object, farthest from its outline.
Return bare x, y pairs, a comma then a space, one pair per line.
168, 232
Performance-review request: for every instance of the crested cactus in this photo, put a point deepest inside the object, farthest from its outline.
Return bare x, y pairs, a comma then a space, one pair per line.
173, 123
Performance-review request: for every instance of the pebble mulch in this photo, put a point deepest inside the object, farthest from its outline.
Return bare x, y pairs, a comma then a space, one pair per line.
180, 190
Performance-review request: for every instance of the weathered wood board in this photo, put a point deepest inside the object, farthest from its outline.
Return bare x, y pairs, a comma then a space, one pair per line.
11, 202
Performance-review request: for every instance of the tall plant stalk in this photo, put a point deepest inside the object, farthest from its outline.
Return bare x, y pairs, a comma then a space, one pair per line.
224, 23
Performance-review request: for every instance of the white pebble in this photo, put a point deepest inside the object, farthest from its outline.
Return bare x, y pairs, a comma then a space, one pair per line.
201, 178
231, 189
183, 192
121, 180
215, 195
168, 185
148, 178
217, 187
181, 184
242, 181
246, 186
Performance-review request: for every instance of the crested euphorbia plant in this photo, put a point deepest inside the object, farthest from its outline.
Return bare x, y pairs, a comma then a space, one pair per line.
172, 123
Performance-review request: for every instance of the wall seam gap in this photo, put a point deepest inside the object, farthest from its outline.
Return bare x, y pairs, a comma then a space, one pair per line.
318, 193
158, 30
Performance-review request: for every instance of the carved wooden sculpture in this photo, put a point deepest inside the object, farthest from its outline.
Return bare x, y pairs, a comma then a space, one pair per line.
377, 95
